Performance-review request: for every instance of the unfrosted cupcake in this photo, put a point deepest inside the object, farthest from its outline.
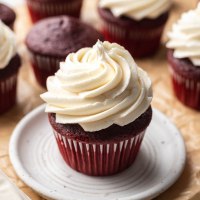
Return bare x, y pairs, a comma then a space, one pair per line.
40, 9
99, 108
7, 15
52, 39
9, 65
137, 25
184, 58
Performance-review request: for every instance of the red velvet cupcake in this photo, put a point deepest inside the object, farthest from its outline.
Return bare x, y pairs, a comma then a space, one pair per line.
185, 80
40, 9
99, 109
184, 58
7, 15
138, 27
9, 65
52, 39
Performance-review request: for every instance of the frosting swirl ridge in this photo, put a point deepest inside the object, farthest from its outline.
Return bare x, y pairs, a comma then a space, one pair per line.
7, 45
136, 9
185, 36
97, 87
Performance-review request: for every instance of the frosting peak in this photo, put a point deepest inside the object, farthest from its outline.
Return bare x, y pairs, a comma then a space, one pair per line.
185, 36
100, 49
7, 45
137, 9
97, 87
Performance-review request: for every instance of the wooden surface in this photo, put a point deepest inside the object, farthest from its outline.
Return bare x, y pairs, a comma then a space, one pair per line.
187, 120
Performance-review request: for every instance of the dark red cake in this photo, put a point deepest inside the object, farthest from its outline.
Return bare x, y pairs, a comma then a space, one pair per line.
7, 15
114, 133
8, 83
103, 152
141, 38
186, 80
52, 39
40, 9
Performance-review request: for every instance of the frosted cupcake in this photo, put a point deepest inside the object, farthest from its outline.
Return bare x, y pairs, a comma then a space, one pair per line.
9, 65
137, 25
184, 58
99, 108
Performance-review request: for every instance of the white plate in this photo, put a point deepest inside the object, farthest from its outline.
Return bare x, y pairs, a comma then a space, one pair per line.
37, 161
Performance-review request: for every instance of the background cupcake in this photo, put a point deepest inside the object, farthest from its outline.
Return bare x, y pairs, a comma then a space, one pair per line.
9, 65
40, 9
52, 39
99, 108
7, 15
137, 25
184, 58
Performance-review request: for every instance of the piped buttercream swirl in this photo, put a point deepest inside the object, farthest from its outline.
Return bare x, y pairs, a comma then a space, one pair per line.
185, 36
97, 87
136, 9
7, 45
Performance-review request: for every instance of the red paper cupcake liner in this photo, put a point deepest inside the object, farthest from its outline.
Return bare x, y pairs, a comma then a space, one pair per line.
44, 66
7, 92
99, 159
186, 90
139, 42
39, 9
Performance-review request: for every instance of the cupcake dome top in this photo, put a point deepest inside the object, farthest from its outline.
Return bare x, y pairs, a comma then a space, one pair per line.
7, 45
61, 35
97, 87
136, 9
184, 38
7, 15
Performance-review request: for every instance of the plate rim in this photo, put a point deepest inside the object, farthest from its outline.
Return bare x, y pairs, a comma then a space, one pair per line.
45, 192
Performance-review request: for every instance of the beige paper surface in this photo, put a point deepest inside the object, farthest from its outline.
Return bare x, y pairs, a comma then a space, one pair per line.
187, 120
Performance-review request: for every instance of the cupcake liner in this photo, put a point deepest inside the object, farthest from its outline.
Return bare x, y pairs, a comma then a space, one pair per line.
99, 159
7, 92
44, 66
39, 10
186, 90
139, 42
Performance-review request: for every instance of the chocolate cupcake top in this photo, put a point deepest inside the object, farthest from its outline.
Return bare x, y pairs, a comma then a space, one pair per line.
7, 15
136, 9
59, 36
184, 38
7, 45
97, 87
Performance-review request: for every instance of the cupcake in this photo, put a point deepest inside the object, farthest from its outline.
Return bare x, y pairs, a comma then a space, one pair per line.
40, 9
184, 58
7, 15
98, 104
137, 25
9, 65
52, 39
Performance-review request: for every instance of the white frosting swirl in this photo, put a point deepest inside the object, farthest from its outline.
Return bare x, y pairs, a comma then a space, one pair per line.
185, 36
97, 87
137, 9
7, 45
